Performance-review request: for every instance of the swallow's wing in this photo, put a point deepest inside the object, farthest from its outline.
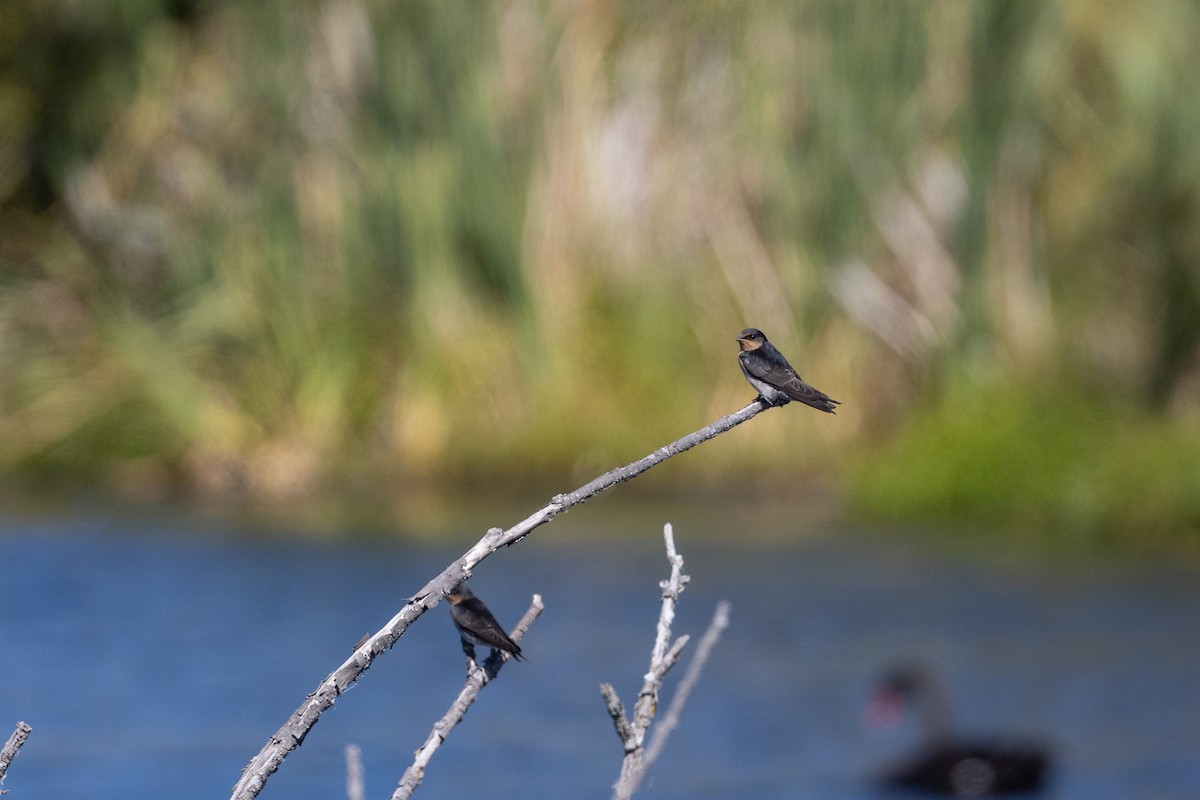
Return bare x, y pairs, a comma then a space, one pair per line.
475, 616
785, 379
799, 390
767, 372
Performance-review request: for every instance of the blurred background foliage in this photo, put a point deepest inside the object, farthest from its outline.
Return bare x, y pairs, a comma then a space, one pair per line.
274, 250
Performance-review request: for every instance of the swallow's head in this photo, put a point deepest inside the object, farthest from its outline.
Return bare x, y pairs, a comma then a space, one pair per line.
459, 593
751, 339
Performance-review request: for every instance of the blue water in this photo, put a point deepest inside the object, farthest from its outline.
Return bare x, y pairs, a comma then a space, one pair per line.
153, 658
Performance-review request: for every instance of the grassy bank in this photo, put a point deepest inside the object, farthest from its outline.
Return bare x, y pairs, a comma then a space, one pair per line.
271, 250
1051, 460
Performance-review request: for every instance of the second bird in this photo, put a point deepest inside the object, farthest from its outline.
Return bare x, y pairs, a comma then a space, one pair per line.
770, 373
476, 625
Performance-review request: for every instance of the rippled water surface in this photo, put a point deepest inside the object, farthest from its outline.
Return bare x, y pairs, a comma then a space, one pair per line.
154, 658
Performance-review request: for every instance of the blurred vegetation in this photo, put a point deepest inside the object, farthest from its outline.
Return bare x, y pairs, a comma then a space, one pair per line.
276, 249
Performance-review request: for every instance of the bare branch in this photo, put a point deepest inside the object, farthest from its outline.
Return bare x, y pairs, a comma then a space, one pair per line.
12, 746
663, 657
631, 741
477, 678
617, 711
291, 734
354, 773
670, 720
671, 590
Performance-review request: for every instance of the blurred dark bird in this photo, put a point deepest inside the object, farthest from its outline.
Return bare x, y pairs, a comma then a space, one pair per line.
476, 625
944, 763
771, 374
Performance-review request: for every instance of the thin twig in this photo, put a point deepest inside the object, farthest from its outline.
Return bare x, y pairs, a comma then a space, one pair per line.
671, 589
354, 773
670, 720
663, 656
12, 746
477, 678
292, 733
616, 710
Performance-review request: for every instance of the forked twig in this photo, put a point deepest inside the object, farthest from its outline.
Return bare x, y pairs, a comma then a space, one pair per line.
663, 657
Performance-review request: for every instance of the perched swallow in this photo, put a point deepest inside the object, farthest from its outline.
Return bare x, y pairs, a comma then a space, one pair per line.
476, 625
771, 374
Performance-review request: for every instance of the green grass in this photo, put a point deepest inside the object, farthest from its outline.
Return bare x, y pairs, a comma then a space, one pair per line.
269, 251
1044, 458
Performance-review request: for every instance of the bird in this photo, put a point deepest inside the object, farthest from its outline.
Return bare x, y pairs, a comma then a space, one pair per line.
476, 625
947, 764
773, 377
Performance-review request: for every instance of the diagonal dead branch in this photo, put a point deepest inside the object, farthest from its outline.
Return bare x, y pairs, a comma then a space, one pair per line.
291, 734
14, 743
477, 678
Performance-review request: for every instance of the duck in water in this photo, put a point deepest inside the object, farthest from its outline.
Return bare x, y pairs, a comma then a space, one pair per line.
946, 763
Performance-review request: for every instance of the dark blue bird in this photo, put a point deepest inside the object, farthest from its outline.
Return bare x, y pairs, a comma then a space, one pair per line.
476, 625
771, 374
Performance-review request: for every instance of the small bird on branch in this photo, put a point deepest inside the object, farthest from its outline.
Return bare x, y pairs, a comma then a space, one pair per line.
476, 625
773, 377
